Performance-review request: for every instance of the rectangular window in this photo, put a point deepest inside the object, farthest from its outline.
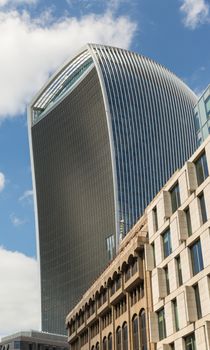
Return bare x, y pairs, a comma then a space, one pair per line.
201, 169
110, 246
196, 256
207, 105
175, 198
155, 218
188, 219
167, 243
175, 311
203, 208
161, 324
190, 342
153, 250
179, 270
167, 280
197, 300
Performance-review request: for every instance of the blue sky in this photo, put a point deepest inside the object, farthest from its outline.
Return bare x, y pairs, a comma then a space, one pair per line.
36, 37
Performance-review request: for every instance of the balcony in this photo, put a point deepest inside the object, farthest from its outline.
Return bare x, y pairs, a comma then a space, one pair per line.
133, 275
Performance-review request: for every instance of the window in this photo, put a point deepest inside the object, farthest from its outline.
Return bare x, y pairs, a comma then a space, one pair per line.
201, 169
97, 346
125, 336
175, 311
118, 338
167, 280
179, 270
155, 218
161, 324
153, 250
110, 341
143, 331
190, 342
175, 198
135, 327
188, 219
202, 208
197, 300
207, 105
110, 246
196, 256
104, 344
197, 122
167, 243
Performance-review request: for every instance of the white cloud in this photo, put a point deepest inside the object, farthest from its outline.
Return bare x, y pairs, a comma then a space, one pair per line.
31, 50
196, 12
16, 2
2, 181
19, 292
26, 195
16, 221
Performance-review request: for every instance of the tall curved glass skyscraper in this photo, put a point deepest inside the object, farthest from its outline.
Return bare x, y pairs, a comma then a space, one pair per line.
106, 131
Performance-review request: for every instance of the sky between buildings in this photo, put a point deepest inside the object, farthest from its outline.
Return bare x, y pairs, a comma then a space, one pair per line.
36, 36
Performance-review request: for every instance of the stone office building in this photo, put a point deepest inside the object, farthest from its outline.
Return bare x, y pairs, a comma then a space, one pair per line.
156, 292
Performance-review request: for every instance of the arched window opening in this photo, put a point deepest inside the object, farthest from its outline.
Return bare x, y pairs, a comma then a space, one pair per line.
97, 346
143, 330
104, 343
118, 339
110, 342
135, 329
125, 336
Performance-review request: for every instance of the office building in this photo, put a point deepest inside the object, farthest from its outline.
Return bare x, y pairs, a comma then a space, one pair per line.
34, 340
156, 292
106, 132
202, 116
179, 257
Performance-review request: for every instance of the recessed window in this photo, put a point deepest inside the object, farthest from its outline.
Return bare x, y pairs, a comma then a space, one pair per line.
167, 280
207, 106
175, 198
201, 169
202, 208
143, 331
190, 342
125, 336
175, 311
197, 258
188, 219
161, 324
197, 300
167, 243
179, 270
155, 218
135, 326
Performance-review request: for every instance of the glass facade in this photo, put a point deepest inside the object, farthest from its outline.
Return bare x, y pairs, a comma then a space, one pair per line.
99, 130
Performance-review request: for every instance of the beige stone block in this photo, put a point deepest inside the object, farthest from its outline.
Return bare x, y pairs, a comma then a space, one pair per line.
181, 306
153, 327
151, 226
164, 209
163, 347
206, 192
149, 257
173, 273
185, 259
174, 234
169, 319
158, 246
179, 344
183, 187
207, 327
200, 339
196, 220
159, 285
205, 246
191, 176
190, 304
204, 290
160, 211
182, 225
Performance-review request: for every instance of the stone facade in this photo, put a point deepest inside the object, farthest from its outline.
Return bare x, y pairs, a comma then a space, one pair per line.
162, 271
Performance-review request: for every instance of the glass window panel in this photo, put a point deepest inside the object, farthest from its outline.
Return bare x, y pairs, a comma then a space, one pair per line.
143, 331
175, 198
135, 333
179, 270
167, 243
197, 300
161, 324
201, 169
125, 336
176, 319
188, 218
190, 342
203, 208
197, 259
197, 122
